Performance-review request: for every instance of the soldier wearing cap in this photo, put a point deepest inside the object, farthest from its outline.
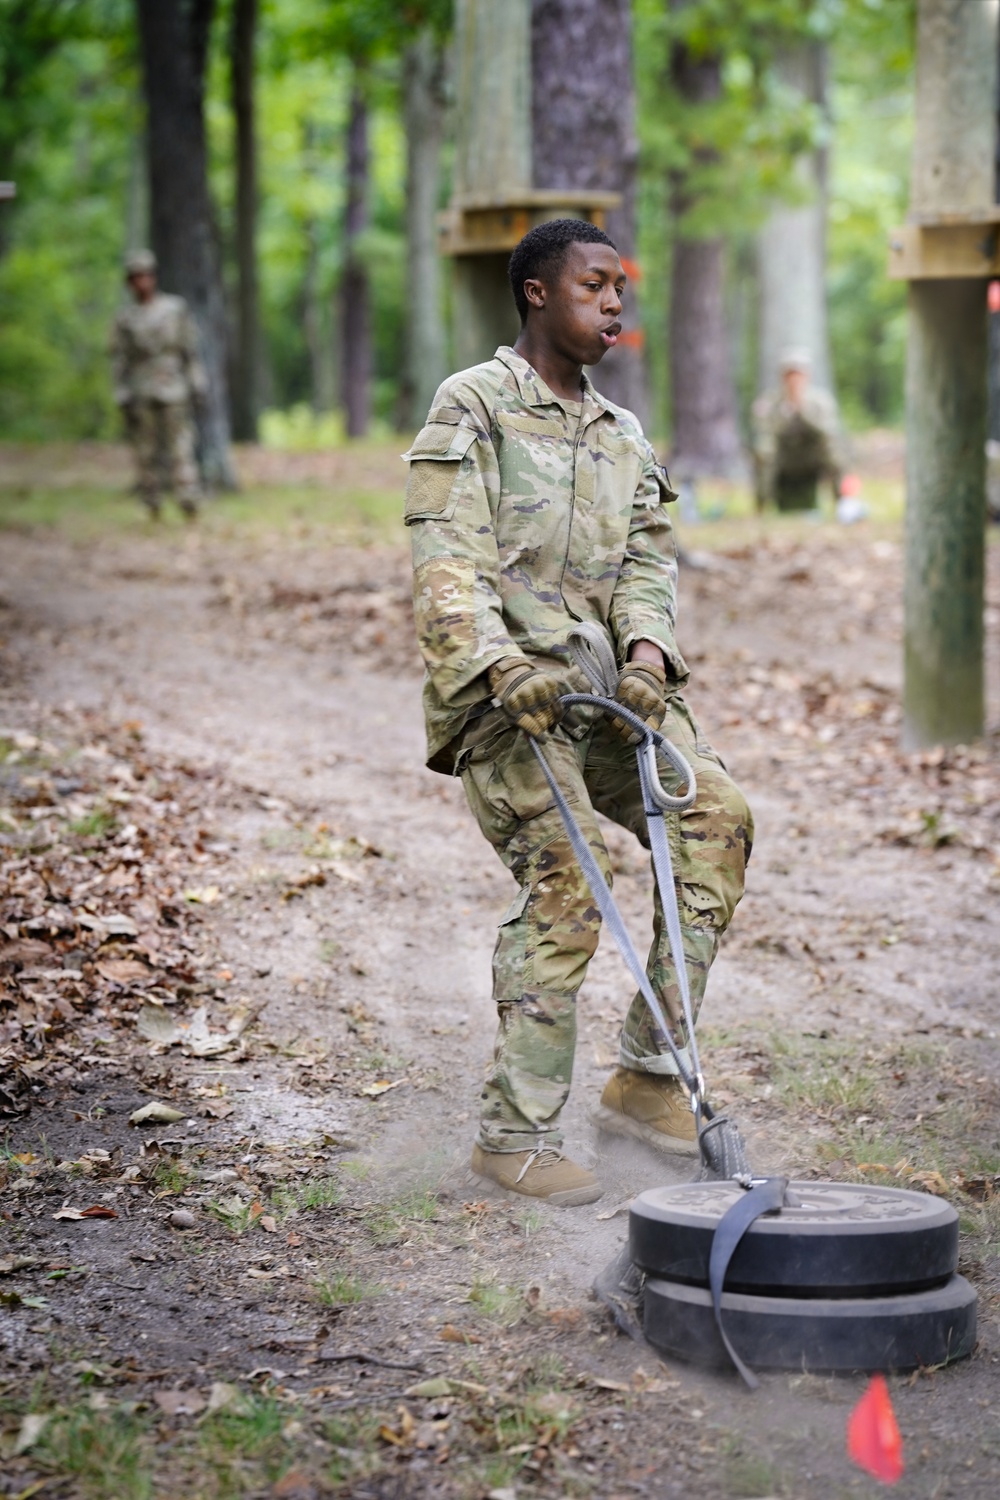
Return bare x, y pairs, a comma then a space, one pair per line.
796, 438
158, 381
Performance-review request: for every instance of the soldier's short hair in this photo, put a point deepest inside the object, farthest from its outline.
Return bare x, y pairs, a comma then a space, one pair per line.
544, 248
140, 263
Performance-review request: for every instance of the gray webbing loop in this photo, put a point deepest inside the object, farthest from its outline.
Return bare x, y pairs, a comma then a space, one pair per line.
607, 905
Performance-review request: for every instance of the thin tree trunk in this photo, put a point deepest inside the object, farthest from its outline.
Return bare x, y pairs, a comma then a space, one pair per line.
583, 118
173, 38
791, 247
706, 436
246, 365
355, 313
322, 370
423, 119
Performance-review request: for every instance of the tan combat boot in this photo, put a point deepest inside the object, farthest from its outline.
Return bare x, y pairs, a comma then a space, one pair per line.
541, 1173
650, 1106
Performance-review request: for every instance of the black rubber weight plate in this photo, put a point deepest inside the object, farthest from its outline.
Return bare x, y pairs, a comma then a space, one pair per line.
841, 1240
819, 1334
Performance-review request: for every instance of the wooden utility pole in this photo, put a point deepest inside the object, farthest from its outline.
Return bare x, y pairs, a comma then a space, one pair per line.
947, 252
494, 203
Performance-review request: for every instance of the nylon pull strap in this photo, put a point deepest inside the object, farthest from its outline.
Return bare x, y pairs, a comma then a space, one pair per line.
765, 1197
608, 908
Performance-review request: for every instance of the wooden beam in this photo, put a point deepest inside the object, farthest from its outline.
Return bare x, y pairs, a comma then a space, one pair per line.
483, 227
950, 249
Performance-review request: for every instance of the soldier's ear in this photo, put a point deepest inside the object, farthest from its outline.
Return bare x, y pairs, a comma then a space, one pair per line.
534, 291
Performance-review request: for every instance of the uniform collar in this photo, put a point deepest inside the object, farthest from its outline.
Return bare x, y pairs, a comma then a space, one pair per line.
534, 392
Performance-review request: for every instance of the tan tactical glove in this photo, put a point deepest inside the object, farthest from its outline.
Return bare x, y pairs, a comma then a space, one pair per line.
641, 687
528, 696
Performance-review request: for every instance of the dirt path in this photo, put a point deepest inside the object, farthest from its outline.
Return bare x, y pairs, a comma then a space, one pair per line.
852, 1014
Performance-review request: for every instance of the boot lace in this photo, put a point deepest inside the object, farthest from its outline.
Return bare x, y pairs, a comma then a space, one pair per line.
545, 1156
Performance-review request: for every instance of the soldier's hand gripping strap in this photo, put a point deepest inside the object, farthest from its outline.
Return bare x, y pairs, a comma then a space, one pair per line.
642, 688
528, 696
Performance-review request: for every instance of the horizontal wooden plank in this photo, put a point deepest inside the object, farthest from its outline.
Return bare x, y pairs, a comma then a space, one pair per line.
945, 252
487, 228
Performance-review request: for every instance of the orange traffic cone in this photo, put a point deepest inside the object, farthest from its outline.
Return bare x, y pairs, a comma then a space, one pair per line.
873, 1439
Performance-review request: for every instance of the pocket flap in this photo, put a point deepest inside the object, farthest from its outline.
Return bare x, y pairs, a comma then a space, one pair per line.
516, 907
663, 484
444, 441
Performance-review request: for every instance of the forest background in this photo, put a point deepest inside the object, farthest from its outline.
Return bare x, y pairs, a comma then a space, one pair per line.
72, 132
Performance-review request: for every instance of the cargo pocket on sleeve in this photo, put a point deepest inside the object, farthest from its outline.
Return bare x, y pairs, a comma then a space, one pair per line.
435, 460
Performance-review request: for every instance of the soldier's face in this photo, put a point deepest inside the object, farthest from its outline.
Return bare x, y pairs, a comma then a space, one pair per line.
143, 285
795, 382
581, 302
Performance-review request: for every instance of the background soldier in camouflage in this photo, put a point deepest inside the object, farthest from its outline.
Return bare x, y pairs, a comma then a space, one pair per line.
535, 503
796, 438
158, 379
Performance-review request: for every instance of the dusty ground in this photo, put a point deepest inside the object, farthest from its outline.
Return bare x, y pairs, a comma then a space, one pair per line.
340, 1255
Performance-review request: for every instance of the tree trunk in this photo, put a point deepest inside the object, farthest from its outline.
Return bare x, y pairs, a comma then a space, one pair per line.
583, 121
246, 365
492, 52
355, 313
173, 39
316, 320
791, 247
706, 437
423, 120
953, 153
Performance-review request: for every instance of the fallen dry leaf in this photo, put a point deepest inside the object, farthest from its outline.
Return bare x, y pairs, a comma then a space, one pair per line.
452, 1335
124, 970
96, 1211
156, 1113
31, 1429
176, 1403
203, 895
166, 1030
402, 1436
381, 1086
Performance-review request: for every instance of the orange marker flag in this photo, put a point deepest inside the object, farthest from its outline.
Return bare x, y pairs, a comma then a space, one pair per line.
873, 1439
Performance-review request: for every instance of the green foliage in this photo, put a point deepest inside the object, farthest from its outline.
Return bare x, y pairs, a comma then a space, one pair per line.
105, 1451
70, 130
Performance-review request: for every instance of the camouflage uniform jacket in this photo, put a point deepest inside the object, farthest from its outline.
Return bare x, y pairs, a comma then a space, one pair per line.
523, 521
154, 352
798, 443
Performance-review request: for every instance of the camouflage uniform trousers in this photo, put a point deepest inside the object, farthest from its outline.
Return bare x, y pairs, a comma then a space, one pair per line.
550, 931
162, 434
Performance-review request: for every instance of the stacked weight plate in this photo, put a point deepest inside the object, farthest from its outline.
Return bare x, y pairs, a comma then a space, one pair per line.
845, 1277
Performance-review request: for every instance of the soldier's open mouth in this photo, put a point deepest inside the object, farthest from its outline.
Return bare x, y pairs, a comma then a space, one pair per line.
609, 336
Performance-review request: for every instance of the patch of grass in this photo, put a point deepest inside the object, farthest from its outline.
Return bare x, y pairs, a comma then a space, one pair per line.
750, 1477
237, 1214
342, 1290
99, 823
531, 1221
284, 840
502, 1305
363, 508
105, 1452
299, 1197
825, 1076
389, 1222
257, 1428
170, 1176
353, 1436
